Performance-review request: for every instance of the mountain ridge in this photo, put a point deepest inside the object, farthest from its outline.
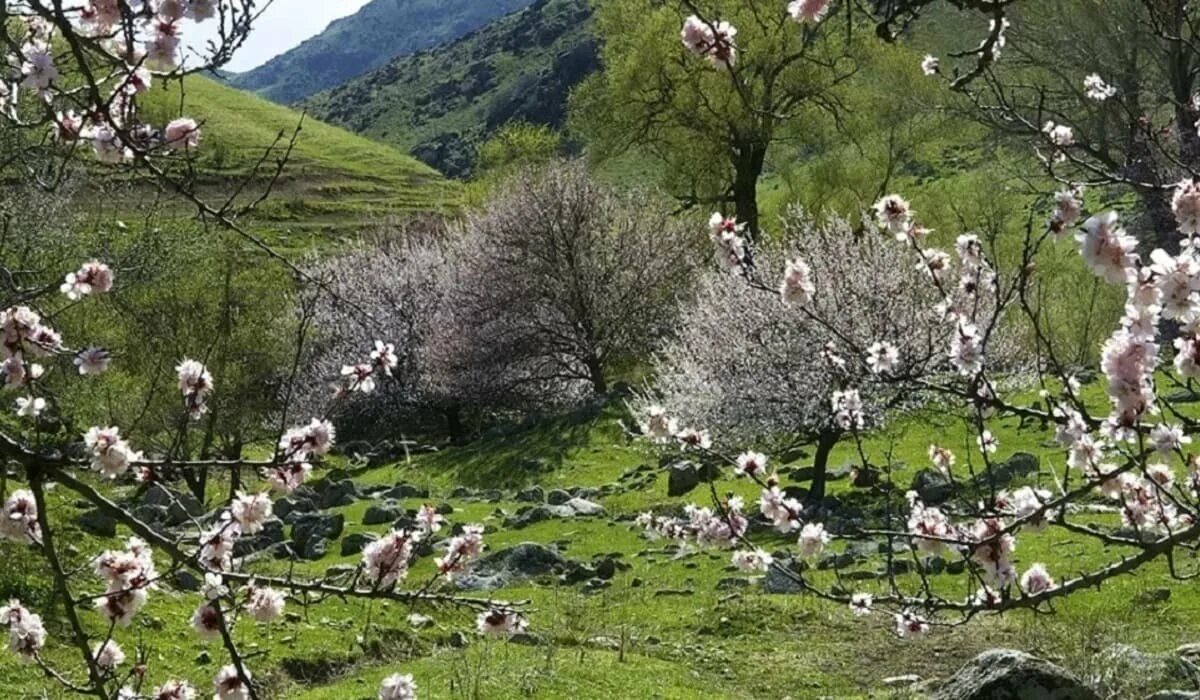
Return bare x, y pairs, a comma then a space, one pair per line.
380, 31
440, 104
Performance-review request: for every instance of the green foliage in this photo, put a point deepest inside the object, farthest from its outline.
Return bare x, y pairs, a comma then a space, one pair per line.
514, 147
380, 31
440, 104
333, 180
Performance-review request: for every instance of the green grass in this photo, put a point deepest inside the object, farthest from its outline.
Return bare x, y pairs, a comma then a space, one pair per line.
632, 640
333, 181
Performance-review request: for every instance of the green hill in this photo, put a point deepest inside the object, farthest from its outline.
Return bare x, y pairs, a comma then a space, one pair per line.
380, 31
440, 104
333, 178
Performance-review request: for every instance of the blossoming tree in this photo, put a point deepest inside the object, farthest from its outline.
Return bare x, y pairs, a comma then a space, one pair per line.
74, 75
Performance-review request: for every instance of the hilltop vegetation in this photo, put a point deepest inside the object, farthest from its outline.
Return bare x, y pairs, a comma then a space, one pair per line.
441, 104
333, 181
353, 45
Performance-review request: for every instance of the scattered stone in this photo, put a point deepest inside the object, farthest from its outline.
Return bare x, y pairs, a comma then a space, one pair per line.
664, 592
684, 476
150, 515
461, 492
777, 579
184, 580
492, 496
596, 584
180, 507
583, 506
336, 494
1018, 465
524, 561
287, 508
380, 513
97, 523
607, 568
311, 533
802, 473
932, 486
356, 542
1004, 674
403, 490
557, 497
270, 535
203, 659
865, 477
533, 494
417, 620
585, 492
732, 582
444, 509
458, 640
907, 679
1152, 596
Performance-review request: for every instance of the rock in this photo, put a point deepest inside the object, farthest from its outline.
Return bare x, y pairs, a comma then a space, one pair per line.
292, 506
458, 640
1152, 596
585, 492
854, 553
492, 495
356, 542
180, 507
802, 474
380, 513
932, 486
312, 531
336, 494
184, 580
203, 658
150, 515
682, 477
865, 477
537, 514
607, 568
533, 494
778, 581
417, 620
97, 523
271, 534
732, 583
1018, 465
461, 492
403, 490
907, 679
583, 506
1004, 674
444, 509
557, 497
524, 561
578, 574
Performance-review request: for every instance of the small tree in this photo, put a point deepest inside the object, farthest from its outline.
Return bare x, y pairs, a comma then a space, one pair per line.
756, 371
556, 283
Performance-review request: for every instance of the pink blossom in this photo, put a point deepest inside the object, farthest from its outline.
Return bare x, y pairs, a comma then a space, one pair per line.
182, 134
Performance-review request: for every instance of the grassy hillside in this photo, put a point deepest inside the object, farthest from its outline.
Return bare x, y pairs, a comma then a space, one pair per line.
333, 179
380, 31
440, 104
670, 622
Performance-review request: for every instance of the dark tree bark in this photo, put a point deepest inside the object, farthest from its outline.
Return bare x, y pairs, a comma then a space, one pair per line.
748, 160
826, 441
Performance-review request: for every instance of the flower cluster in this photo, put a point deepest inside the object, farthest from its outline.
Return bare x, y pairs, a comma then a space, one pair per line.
129, 575
711, 40
26, 634
195, 383
19, 518
111, 455
462, 550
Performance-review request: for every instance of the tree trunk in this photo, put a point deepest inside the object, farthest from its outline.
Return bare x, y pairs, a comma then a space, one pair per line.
454, 423
748, 161
596, 375
825, 444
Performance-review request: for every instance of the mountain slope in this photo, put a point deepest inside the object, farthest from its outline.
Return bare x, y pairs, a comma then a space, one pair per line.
440, 104
380, 31
333, 178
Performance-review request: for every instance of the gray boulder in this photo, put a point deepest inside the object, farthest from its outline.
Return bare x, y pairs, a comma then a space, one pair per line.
682, 477
557, 497
336, 494
777, 580
932, 486
356, 542
286, 509
1005, 674
380, 513
584, 507
537, 514
97, 523
312, 532
524, 561
403, 490
533, 494
270, 535
180, 507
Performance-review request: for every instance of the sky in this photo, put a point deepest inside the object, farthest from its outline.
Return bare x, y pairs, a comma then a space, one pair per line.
283, 25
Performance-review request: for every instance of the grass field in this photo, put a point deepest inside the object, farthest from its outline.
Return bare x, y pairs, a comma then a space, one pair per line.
672, 624
333, 182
